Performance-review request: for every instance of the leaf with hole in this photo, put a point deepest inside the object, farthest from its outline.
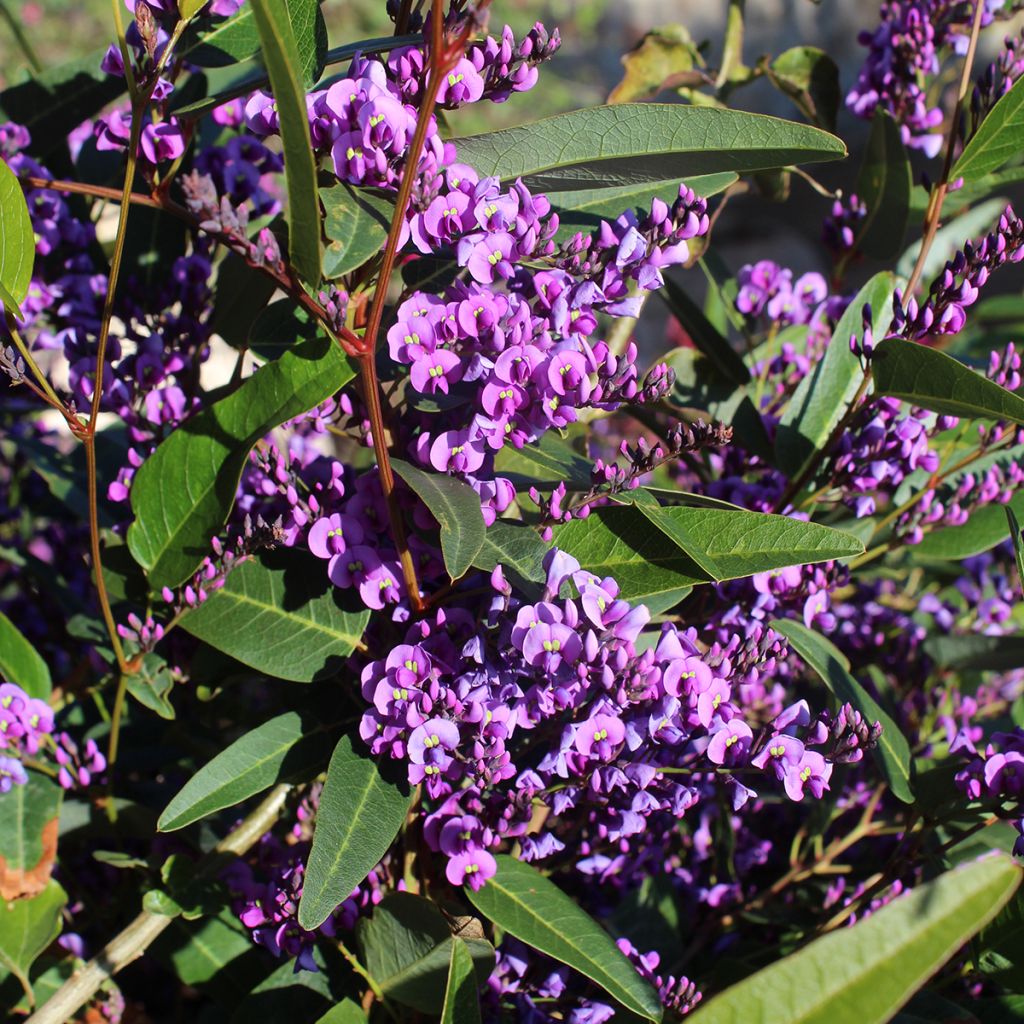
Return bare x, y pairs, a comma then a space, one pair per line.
182, 494
362, 808
530, 907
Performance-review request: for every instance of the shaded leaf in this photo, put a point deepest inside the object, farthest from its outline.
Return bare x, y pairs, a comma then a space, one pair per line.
362, 809
619, 542
985, 528
704, 335
183, 493
892, 752
456, 507
345, 1012
929, 378
27, 927
281, 54
287, 747
152, 685
545, 463
406, 948
518, 549
633, 142
356, 223
676, 532
884, 185
976, 652
242, 297
864, 974
20, 663
810, 77
1000, 137
461, 999
823, 396
280, 614
1018, 543
525, 904
28, 836
279, 327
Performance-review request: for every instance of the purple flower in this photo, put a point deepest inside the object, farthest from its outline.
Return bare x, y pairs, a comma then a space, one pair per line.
12, 773
600, 737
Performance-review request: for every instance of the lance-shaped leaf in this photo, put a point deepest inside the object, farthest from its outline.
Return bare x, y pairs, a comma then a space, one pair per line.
356, 223
456, 507
864, 974
183, 493
619, 542
518, 549
19, 662
884, 186
977, 652
17, 240
822, 397
27, 927
237, 39
985, 528
461, 999
635, 142
281, 615
1000, 137
584, 209
1018, 543
675, 531
283, 62
522, 902
810, 78
406, 948
929, 378
287, 747
892, 753
362, 808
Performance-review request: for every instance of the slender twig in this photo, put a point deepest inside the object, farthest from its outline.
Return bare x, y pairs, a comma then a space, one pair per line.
131, 943
938, 194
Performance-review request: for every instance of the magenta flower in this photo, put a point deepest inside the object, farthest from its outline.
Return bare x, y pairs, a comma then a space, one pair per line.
600, 737
812, 772
730, 743
472, 868
551, 644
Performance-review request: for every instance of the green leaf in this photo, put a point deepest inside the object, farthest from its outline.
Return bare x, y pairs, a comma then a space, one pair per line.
406, 948
287, 747
456, 507
356, 223
634, 142
461, 999
279, 327
985, 528
59, 99
525, 904
188, 9
823, 396
949, 238
1018, 543
183, 493
152, 685
929, 378
256, 77
1000, 137
810, 77
619, 542
884, 185
237, 39
583, 209
546, 463
283, 61
976, 652
864, 974
27, 927
345, 1012
675, 531
17, 239
242, 297
518, 549
288, 994
361, 811
19, 662
704, 335
892, 753
28, 836
280, 615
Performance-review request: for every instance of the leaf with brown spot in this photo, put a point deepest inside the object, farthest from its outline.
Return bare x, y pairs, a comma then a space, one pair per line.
28, 836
